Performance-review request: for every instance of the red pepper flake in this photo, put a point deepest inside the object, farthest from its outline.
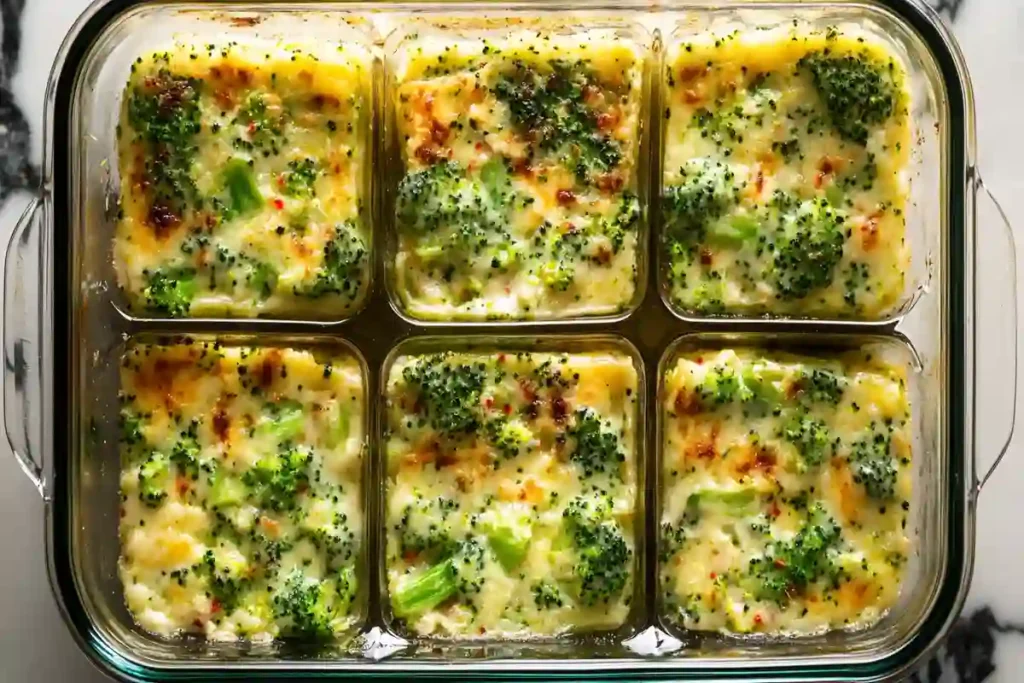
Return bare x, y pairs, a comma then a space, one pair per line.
713, 575
252, 126
507, 409
215, 606
278, 203
775, 510
757, 619
501, 358
488, 403
700, 360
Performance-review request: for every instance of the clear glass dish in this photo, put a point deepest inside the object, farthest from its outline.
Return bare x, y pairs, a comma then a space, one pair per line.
63, 328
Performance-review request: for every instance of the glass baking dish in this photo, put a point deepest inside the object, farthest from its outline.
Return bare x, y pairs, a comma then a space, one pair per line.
63, 328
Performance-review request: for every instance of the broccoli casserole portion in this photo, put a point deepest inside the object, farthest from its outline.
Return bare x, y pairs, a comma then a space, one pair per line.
519, 195
243, 173
241, 513
786, 487
784, 187
511, 492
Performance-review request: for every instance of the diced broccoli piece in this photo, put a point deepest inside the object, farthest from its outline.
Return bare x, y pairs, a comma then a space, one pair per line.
170, 292
262, 278
603, 558
759, 382
287, 423
790, 566
277, 481
301, 176
858, 92
308, 608
733, 503
874, 468
458, 574
808, 247
705, 192
595, 448
509, 436
226, 491
811, 437
342, 269
547, 595
626, 218
509, 536
449, 391
130, 425
154, 477
338, 431
244, 195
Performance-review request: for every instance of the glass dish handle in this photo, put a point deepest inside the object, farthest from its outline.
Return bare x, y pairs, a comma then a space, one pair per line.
23, 281
993, 250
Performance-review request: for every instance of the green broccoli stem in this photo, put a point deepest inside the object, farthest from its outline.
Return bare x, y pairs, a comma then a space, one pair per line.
426, 591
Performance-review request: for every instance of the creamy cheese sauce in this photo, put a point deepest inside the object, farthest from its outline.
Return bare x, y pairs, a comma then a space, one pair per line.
518, 469
519, 199
784, 187
241, 512
787, 485
243, 170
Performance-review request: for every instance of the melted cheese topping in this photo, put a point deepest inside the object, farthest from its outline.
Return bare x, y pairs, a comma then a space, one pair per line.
786, 493
519, 199
243, 170
767, 133
543, 435
240, 490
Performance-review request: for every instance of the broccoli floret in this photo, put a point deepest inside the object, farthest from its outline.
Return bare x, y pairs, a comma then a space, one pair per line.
165, 114
603, 558
301, 176
287, 421
760, 384
820, 386
874, 468
509, 436
443, 196
277, 481
790, 566
308, 608
130, 425
225, 582
721, 385
449, 392
244, 195
595, 448
154, 476
547, 595
808, 247
459, 574
625, 220
551, 109
261, 278
673, 539
811, 437
226, 491
425, 530
185, 454
341, 271
857, 91
705, 192
170, 292
334, 538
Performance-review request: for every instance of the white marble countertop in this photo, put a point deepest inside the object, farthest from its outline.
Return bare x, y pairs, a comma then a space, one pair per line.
989, 643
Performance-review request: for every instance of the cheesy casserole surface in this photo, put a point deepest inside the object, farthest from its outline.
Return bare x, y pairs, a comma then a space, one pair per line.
241, 503
784, 188
511, 492
243, 173
786, 488
519, 194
